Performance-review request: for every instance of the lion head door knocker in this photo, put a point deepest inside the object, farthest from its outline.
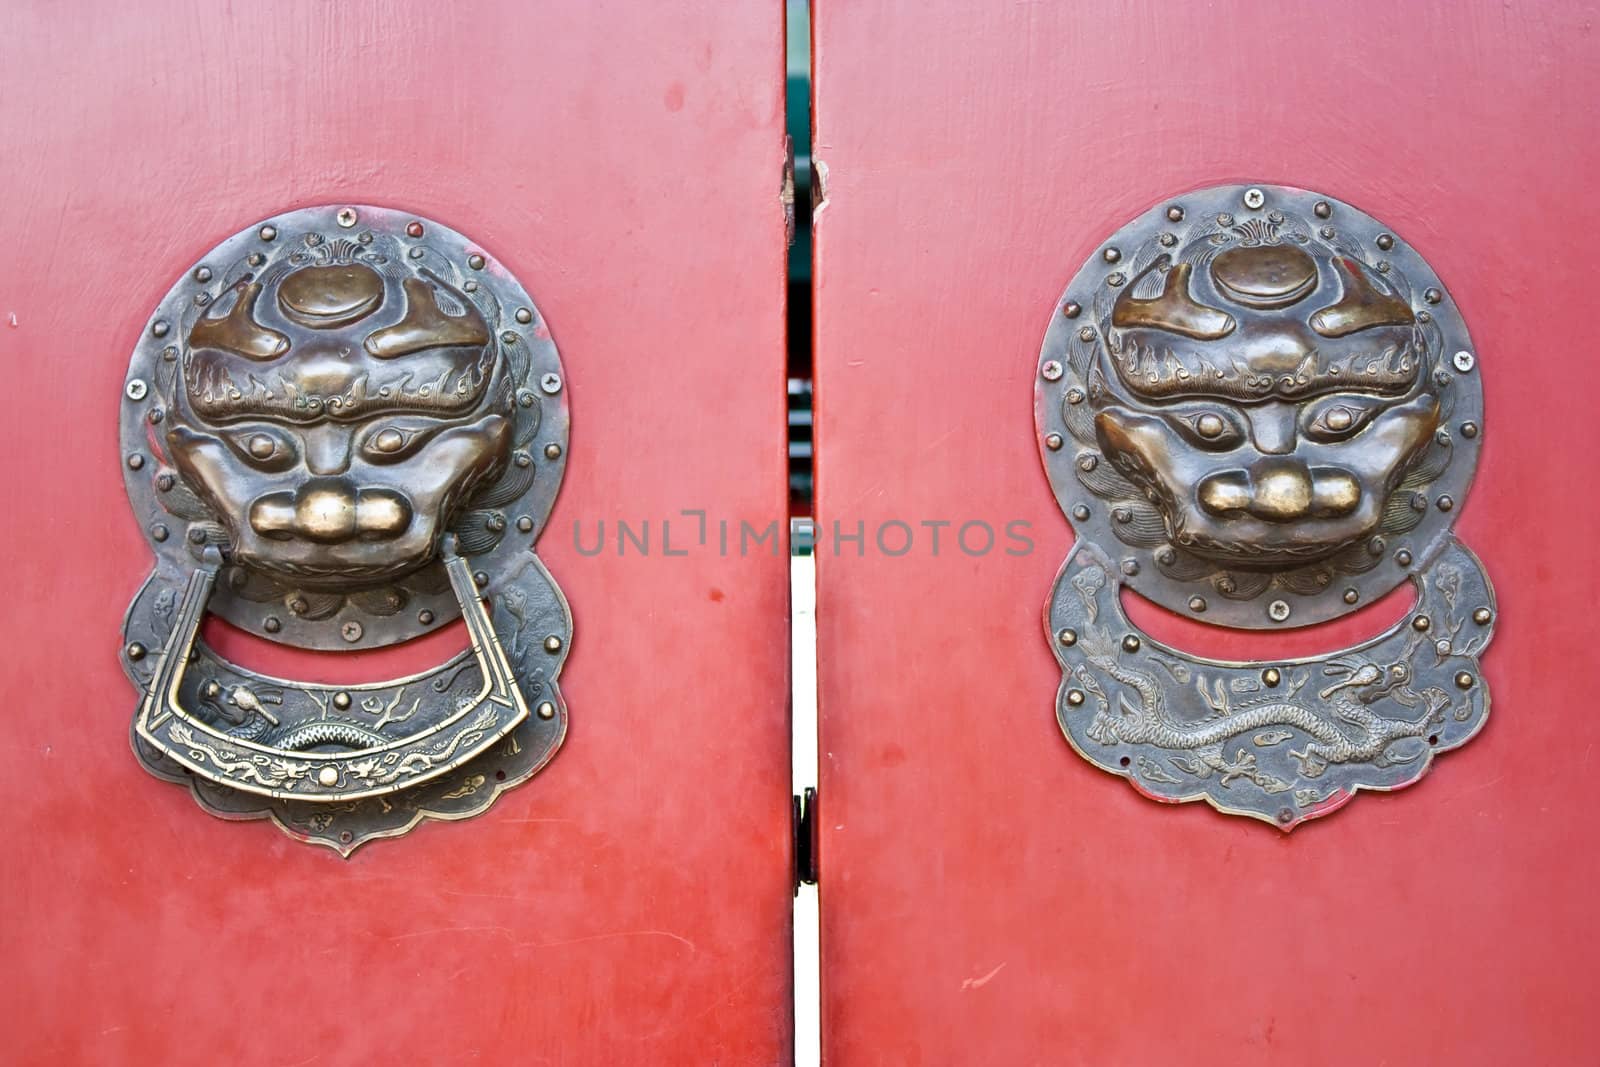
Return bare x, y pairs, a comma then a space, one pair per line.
344, 428
1259, 408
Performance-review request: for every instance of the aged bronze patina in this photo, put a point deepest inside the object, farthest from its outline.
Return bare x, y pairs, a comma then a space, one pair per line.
1258, 407
330, 434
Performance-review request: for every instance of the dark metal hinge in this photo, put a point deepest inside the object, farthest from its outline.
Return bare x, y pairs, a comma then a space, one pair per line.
804, 825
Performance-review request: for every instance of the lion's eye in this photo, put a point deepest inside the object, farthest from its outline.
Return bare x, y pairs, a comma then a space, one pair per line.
1210, 429
391, 442
266, 447
1340, 418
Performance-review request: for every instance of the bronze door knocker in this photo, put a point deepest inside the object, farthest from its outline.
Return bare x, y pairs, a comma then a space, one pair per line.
1259, 408
343, 428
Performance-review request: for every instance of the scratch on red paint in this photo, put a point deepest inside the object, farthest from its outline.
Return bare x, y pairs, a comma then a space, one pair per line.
979, 983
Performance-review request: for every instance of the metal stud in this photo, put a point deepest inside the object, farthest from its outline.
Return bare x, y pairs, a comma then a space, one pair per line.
552, 644
271, 624
1403, 557
1130, 643
1111, 255
475, 261
1072, 309
1420, 624
1068, 637
1483, 616
341, 700
552, 451
524, 316
1197, 604
1053, 442
135, 651
1175, 213
545, 710
1271, 677
1385, 241
1075, 697
413, 229
1432, 296
1464, 680
1322, 209
268, 233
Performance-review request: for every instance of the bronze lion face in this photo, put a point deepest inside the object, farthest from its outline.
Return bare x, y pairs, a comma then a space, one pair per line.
1264, 399
336, 412
1267, 395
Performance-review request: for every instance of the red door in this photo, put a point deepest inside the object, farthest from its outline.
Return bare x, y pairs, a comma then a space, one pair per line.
987, 895
629, 904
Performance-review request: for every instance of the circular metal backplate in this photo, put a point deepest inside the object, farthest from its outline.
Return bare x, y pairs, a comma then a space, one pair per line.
495, 527
1138, 519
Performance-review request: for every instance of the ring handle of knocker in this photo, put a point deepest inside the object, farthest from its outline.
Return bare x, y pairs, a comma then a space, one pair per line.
493, 712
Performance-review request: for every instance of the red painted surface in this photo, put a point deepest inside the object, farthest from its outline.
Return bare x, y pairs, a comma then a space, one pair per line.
988, 896
630, 904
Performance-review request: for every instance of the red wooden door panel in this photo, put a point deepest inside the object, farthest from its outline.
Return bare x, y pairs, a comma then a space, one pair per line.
632, 902
988, 896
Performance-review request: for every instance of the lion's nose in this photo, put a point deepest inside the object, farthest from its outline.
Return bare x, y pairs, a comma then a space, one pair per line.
1280, 491
331, 511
